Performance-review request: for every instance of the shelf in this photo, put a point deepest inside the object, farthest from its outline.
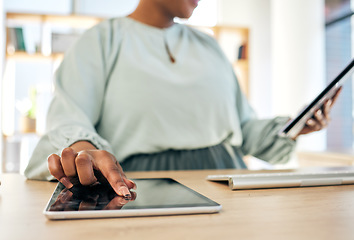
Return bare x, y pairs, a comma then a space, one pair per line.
47, 25
242, 72
33, 56
240, 30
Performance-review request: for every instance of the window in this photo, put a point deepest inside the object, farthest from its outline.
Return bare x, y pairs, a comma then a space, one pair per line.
339, 52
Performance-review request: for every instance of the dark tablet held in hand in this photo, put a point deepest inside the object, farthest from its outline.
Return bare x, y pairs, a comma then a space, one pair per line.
293, 127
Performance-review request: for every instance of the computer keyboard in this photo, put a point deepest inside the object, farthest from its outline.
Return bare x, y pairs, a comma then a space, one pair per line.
285, 179
284, 174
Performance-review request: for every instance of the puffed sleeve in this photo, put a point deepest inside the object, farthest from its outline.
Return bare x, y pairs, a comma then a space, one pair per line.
260, 136
79, 89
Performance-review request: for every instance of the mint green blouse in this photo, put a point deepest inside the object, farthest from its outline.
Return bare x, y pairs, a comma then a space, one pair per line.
118, 89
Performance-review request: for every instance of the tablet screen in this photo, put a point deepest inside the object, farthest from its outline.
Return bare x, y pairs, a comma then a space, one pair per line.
157, 193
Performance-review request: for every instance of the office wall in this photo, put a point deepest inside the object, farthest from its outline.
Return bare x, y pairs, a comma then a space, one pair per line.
298, 59
286, 55
255, 15
89, 7
111, 8
38, 6
2, 56
298, 52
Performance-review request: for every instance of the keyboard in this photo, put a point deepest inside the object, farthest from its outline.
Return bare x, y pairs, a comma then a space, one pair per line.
285, 179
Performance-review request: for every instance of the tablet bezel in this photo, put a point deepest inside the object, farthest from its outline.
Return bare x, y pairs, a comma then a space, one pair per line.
213, 207
293, 127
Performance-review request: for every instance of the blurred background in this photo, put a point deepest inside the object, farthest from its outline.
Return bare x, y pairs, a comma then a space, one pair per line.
284, 53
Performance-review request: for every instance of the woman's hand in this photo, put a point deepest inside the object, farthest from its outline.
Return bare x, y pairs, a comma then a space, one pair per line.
321, 117
88, 167
95, 198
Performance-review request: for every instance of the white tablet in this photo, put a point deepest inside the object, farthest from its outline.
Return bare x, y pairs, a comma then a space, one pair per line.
293, 127
156, 196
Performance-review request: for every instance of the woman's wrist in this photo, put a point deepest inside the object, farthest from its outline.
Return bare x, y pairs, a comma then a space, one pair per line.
82, 145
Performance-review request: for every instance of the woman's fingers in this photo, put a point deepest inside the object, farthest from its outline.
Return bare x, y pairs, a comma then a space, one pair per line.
114, 176
56, 169
335, 97
84, 168
68, 156
106, 164
130, 184
321, 119
326, 109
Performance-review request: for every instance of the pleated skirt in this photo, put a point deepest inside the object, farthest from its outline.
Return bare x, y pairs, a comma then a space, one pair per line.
221, 156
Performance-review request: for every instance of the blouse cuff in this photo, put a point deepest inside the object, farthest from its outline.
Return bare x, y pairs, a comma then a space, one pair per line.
68, 135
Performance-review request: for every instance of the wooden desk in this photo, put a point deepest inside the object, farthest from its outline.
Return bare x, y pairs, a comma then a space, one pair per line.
326, 158
292, 213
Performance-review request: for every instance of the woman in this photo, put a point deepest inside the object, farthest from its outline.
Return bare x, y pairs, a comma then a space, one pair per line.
143, 93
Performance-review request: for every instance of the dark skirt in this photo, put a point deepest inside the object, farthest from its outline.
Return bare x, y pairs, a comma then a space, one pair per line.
221, 156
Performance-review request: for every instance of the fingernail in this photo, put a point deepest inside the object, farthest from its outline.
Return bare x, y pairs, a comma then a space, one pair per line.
310, 122
124, 192
319, 112
134, 185
66, 182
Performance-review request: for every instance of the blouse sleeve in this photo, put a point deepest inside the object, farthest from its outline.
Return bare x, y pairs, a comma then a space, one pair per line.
78, 96
260, 136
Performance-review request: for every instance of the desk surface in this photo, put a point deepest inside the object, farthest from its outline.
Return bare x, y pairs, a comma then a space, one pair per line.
288, 213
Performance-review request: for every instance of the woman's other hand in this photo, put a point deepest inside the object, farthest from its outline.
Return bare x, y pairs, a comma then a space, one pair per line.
321, 117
